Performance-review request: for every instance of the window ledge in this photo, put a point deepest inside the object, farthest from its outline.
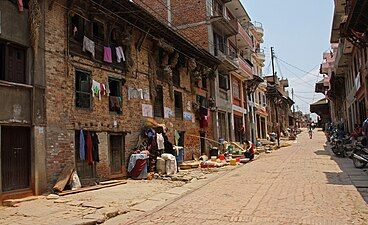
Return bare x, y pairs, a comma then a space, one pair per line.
9, 84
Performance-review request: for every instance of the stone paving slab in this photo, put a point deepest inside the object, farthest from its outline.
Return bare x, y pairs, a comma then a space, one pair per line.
148, 205
302, 184
178, 190
163, 196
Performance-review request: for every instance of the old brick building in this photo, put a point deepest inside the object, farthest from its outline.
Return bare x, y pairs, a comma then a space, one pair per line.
223, 28
346, 66
162, 76
22, 116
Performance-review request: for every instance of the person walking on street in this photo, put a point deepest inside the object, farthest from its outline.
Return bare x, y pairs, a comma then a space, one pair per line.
310, 131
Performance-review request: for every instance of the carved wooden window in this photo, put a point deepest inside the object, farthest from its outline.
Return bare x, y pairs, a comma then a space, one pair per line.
159, 102
178, 105
224, 82
78, 28
236, 89
160, 71
82, 89
115, 99
98, 30
114, 36
12, 63
176, 77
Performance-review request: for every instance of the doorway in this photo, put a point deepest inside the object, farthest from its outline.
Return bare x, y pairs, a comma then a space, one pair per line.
117, 153
15, 158
86, 172
203, 142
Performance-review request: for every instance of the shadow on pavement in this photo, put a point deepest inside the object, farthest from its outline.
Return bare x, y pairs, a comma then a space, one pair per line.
349, 175
321, 152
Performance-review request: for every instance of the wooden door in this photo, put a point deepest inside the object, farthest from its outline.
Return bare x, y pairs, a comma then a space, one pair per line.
86, 172
117, 153
15, 158
16, 59
238, 124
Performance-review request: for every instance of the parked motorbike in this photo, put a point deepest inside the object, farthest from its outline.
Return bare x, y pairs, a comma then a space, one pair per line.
342, 147
360, 156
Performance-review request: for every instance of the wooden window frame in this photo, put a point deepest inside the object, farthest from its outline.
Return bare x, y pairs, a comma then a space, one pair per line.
81, 28
100, 35
78, 92
159, 100
5, 61
236, 95
119, 81
227, 81
178, 110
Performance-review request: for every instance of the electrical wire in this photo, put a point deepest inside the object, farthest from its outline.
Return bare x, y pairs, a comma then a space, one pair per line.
307, 72
296, 76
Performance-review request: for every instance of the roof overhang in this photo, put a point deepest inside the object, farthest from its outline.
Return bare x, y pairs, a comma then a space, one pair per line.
339, 12
149, 24
356, 26
238, 11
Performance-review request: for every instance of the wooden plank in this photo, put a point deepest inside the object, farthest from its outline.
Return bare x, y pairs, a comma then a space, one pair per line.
63, 178
92, 188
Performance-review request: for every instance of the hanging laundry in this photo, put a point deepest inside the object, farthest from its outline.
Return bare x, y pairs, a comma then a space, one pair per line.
20, 5
107, 89
203, 123
160, 142
102, 89
75, 31
115, 104
89, 148
177, 137
107, 55
88, 45
82, 151
120, 54
96, 89
95, 143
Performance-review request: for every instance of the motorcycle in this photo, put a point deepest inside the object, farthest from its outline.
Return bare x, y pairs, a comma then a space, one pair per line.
360, 156
342, 147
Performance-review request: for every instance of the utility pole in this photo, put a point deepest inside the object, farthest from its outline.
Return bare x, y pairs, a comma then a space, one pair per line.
292, 94
276, 110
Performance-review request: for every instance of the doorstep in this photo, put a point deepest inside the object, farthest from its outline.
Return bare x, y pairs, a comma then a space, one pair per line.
14, 197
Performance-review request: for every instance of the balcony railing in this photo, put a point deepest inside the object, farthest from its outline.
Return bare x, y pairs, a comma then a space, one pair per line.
260, 54
245, 66
226, 51
228, 26
244, 34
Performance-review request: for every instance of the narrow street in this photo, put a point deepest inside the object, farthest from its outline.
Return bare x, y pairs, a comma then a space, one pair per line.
302, 184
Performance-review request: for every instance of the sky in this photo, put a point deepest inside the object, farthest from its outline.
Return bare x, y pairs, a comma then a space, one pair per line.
299, 31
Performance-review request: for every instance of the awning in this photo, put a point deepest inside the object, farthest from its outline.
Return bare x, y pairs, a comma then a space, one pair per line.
321, 107
356, 26
262, 111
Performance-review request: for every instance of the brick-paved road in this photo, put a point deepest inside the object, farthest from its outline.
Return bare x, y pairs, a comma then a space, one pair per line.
301, 184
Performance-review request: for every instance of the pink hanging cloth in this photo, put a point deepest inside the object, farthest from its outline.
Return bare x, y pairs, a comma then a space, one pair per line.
20, 5
107, 55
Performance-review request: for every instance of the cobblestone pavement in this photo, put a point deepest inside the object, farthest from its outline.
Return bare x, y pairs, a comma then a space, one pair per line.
301, 184
110, 205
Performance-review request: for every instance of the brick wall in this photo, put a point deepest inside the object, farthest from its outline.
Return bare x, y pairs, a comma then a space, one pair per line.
189, 16
63, 118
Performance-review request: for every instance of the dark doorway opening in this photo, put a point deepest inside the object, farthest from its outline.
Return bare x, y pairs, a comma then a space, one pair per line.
203, 143
117, 153
15, 158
